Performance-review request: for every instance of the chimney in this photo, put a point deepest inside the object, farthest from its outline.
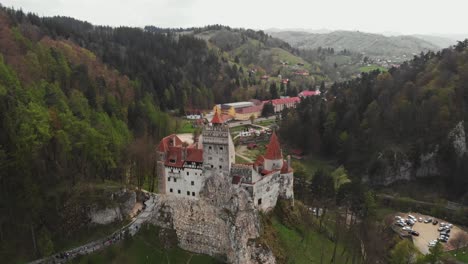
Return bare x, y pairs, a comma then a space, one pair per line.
184, 153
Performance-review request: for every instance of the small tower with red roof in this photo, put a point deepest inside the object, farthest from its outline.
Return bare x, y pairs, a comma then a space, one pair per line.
273, 156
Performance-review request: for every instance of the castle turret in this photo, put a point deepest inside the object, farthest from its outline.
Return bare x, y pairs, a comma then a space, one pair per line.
273, 156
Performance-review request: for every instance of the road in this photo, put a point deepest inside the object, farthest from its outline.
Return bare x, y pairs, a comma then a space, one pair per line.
102, 243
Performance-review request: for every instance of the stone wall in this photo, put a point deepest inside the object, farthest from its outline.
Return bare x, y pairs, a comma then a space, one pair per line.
224, 223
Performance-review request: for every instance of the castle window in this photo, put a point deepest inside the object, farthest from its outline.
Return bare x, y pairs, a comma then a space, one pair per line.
178, 191
209, 147
168, 179
187, 173
211, 166
193, 193
170, 190
220, 166
259, 202
193, 183
175, 180
188, 193
221, 148
221, 159
172, 170
210, 158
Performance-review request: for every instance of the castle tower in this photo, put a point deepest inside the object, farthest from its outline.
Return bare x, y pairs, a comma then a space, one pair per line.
273, 156
218, 148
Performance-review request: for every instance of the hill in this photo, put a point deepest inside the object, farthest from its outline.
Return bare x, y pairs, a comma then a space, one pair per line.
405, 124
398, 47
441, 42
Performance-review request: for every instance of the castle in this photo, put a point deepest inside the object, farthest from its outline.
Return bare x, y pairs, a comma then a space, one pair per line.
183, 169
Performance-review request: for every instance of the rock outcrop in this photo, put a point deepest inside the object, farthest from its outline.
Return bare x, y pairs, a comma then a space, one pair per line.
222, 222
394, 165
458, 138
105, 216
123, 202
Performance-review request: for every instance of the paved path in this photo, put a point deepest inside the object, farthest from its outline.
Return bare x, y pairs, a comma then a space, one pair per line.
244, 157
133, 227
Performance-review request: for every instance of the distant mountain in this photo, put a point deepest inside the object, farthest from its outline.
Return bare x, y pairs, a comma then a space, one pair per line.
368, 43
441, 42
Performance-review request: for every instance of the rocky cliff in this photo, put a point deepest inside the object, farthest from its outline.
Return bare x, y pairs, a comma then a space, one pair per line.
123, 202
223, 223
395, 165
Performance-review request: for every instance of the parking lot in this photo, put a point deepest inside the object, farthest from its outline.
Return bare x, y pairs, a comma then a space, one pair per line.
429, 232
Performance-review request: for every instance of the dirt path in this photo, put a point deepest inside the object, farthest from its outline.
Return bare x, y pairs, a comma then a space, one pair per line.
240, 153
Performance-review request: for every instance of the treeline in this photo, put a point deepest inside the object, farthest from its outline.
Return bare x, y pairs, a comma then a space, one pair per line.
178, 70
65, 118
383, 121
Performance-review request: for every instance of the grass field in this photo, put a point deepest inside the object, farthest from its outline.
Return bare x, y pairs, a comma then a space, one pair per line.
145, 247
462, 254
266, 123
306, 248
372, 68
312, 163
185, 126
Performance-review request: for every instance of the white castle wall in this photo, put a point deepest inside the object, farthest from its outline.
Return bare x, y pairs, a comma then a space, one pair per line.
266, 192
184, 180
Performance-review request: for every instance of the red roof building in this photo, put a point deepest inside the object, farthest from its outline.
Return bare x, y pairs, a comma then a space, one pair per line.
304, 94
176, 154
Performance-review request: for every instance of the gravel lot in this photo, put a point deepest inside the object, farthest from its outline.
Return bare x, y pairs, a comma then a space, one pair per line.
429, 232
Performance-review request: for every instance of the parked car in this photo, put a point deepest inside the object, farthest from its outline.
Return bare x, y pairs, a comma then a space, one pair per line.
412, 217
428, 220
406, 228
435, 222
400, 224
420, 219
415, 233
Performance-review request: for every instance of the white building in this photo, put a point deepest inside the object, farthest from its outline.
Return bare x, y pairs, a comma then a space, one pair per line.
182, 170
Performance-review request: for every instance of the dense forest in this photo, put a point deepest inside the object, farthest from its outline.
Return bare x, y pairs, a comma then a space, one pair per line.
82, 104
413, 117
66, 118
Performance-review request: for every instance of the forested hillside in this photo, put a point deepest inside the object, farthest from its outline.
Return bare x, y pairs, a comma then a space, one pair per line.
408, 123
368, 43
66, 119
81, 104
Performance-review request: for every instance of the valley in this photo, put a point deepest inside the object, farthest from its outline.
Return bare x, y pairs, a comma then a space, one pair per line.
219, 144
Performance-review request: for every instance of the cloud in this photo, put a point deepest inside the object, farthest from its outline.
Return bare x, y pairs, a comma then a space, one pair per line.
406, 16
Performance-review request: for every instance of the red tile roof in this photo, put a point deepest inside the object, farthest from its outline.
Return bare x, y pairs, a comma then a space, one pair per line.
260, 160
273, 151
194, 154
236, 179
171, 140
284, 100
308, 93
174, 157
250, 109
216, 118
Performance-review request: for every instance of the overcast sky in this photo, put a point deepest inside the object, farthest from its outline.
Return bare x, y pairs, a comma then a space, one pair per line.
402, 16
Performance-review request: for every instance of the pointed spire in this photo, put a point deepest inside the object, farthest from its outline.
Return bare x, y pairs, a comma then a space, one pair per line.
216, 117
273, 151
